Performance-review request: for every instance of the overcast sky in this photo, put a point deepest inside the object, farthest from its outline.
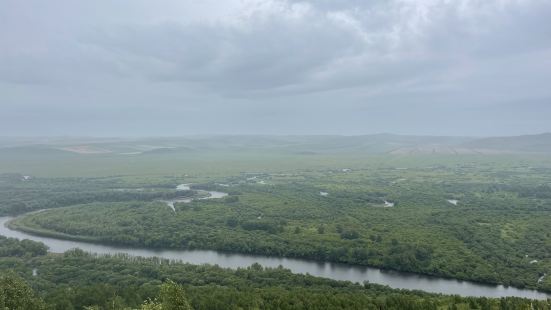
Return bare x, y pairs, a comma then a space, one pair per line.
175, 67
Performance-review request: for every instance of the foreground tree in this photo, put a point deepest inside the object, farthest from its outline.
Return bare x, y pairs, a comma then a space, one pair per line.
17, 295
171, 297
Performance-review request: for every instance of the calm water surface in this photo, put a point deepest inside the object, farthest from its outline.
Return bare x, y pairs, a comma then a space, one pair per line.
327, 270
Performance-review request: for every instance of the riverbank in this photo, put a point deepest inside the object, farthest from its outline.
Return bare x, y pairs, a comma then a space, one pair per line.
357, 274
19, 224
63, 279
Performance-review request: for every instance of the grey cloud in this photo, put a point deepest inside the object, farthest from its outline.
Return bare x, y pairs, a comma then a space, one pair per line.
312, 47
275, 60
265, 53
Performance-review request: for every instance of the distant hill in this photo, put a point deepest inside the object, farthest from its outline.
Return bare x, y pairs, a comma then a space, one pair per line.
519, 144
296, 145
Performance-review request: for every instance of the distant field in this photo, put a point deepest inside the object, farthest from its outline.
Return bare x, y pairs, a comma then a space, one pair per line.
227, 163
219, 156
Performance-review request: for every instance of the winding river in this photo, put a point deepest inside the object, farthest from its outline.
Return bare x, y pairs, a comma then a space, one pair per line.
334, 271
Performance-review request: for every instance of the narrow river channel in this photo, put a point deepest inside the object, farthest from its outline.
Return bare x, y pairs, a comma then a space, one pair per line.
334, 271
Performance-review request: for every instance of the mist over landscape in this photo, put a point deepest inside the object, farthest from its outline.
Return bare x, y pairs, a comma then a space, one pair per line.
172, 68
275, 154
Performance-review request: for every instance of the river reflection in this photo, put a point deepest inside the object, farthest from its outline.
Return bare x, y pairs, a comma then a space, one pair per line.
334, 271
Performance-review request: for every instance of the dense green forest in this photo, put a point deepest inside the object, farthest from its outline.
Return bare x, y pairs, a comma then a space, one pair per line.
77, 280
479, 219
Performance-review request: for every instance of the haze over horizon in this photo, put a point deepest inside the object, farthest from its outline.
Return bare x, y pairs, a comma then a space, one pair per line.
174, 68
84, 138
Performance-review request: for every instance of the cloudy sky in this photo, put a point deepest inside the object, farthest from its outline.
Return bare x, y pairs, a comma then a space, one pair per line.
176, 67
